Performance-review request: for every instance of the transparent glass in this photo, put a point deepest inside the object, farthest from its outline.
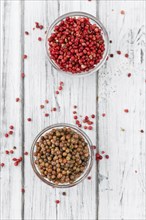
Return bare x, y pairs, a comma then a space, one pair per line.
89, 164
93, 20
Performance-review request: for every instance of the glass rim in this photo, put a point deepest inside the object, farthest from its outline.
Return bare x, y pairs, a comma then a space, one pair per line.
88, 167
105, 36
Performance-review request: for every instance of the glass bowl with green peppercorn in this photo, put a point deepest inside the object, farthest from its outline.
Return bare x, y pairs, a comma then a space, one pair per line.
61, 155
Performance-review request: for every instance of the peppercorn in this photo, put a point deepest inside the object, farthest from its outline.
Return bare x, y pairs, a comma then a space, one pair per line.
61, 155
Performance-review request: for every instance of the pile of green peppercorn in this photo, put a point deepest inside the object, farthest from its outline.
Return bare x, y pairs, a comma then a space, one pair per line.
61, 155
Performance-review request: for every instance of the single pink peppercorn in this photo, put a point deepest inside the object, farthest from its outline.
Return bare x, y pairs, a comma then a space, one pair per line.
74, 112
119, 52
46, 114
90, 128
57, 201
142, 131
57, 92
92, 116
24, 56
2, 164
10, 132
26, 153
26, 33
42, 106
17, 99
7, 152
126, 110
41, 27
103, 115
11, 151
89, 177
22, 75
126, 55
60, 87
61, 83
46, 101
6, 135
129, 74
85, 127
16, 163
75, 117
29, 119
107, 156
54, 109
11, 127
14, 159
23, 190
39, 39
98, 156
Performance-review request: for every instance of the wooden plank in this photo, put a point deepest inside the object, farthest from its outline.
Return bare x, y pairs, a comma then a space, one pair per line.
11, 111
121, 190
39, 86
80, 202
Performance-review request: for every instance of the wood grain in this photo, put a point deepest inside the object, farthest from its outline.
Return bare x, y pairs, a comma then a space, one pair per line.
115, 191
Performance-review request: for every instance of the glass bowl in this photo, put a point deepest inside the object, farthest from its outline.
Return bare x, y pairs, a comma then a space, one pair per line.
93, 20
89, 164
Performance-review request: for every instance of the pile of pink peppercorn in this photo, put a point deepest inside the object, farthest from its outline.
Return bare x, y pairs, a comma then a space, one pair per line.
76, 45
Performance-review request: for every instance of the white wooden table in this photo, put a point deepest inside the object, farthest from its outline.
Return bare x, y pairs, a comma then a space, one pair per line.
117, 188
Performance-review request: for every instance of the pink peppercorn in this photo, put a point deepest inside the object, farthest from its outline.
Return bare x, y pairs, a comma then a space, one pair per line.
57, 92
10, 132
85, 127
41, 27
22, 75
111, 55
39, 39
118, 52
74, 112
2, 164
29, 119
103, 115
60, 88
89, 177
24, 56
16, 163
61, 83
126, 110
42, 106
6, 135
7, 152
129, 75
126, 55
102, 152
46, 101
122, 12
142, 131
90, 128
11, 127
26, 33
17, 99
93, 116
75, 106
23, 190
75, 117
57, 201
107, 156
14, 159
98, 156
11, 151
26, 153
46, 114
54, 109
77, 122
79, 125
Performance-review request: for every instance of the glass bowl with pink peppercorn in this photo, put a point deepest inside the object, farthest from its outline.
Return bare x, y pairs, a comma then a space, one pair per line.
77, 44
39, 150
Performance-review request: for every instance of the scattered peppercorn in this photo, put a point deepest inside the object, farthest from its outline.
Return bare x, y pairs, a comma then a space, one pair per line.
17, 99
26, 153
142, 131
89, 177
64, 193
23, 190
119, 52
107, 156
61, 155
46, 101
76, 45
122, 12
46, 115
6, 135
98, 156
92, 116
126, 110
10, 132
29, 119
11, 151
111, 55
126, 55
103, 115
39, 39
42, 106
26, 33
129, 75
57, 92
24, 56
7, 152
22, 75
11, 127
57, 201
2, 164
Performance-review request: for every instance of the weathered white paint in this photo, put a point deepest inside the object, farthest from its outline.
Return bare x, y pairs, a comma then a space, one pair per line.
119, 193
